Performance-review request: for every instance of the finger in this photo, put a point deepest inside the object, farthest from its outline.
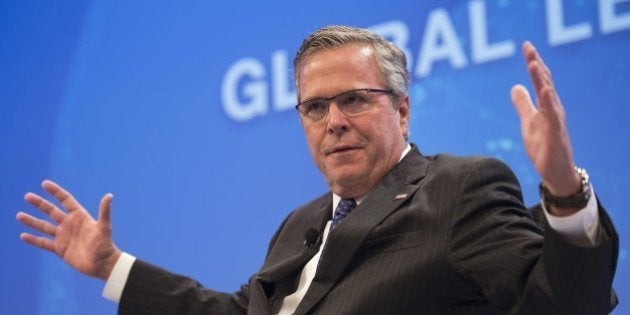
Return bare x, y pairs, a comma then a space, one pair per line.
538, 76
538, 71
40, 242
550, 105
36, 224
45, 206
522, 101
65, 198
531, 54
105, 209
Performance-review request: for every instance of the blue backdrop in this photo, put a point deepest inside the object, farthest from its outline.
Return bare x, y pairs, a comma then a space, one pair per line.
185, 112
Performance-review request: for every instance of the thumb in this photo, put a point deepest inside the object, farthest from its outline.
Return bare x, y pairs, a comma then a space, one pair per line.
522, 101
104, 210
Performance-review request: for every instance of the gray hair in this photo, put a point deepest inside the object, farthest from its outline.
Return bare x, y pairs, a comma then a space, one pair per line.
390, 58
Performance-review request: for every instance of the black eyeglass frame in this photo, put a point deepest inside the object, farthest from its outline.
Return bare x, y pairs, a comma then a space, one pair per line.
327, 101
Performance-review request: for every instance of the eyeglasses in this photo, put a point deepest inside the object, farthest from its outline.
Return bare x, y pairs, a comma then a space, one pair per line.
351, 103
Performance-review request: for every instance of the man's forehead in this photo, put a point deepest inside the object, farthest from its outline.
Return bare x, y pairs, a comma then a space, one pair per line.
348, 59
358, 49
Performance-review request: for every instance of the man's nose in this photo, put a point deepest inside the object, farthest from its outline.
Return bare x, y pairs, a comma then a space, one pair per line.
336, 120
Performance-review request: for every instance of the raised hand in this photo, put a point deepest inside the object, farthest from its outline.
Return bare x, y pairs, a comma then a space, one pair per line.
82, 242
544, 128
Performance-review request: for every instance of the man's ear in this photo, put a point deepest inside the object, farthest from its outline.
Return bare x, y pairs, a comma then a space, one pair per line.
404, 113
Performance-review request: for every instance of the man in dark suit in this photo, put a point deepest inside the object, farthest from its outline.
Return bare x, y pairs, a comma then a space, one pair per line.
408, 233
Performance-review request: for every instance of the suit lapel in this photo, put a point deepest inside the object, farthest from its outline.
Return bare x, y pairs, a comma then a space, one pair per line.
285, 265
342, 244
276, 273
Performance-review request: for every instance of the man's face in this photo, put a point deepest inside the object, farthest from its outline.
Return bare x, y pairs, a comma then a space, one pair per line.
353, 153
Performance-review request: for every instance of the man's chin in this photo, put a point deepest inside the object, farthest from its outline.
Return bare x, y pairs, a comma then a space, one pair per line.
348, 185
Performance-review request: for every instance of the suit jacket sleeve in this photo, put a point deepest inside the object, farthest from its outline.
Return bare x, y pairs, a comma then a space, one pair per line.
496, 247
153, 290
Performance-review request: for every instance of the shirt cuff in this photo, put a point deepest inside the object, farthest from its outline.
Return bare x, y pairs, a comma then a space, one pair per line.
580, 228
118, 278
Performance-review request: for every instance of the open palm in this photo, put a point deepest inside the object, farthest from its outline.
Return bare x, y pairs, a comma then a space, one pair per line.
544, 129
84, 243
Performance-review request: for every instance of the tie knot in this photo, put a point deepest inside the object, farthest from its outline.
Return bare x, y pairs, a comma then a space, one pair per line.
343, 208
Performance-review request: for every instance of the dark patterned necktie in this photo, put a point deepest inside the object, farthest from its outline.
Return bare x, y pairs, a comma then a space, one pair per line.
343, 208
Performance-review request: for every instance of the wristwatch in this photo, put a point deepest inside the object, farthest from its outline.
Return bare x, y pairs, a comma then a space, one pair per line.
577, 200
